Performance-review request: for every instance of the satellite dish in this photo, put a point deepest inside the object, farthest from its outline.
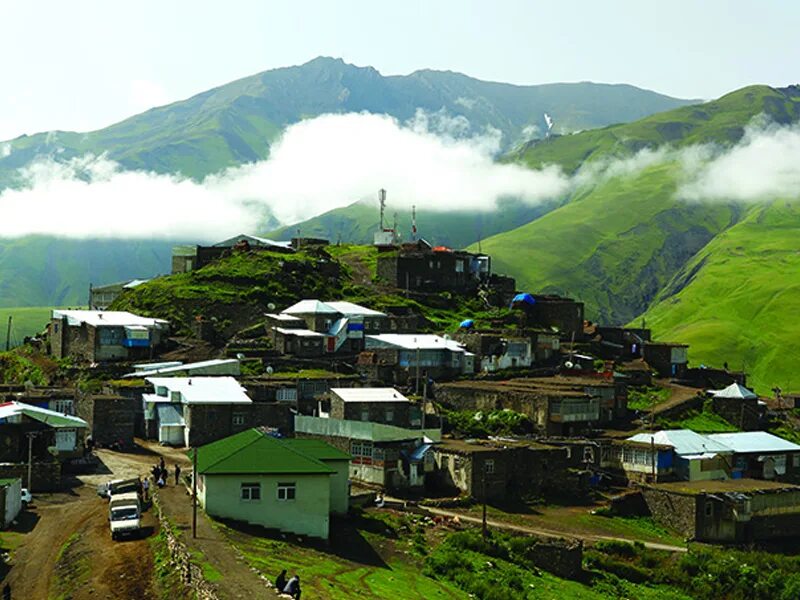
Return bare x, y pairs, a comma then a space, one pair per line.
240, 356
446, 336
271, 306
270, 370
569, 364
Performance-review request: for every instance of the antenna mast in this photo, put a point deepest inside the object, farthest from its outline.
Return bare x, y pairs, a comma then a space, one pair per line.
414, 222
382, 200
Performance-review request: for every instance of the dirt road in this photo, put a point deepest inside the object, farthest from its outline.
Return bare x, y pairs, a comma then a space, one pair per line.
69, 550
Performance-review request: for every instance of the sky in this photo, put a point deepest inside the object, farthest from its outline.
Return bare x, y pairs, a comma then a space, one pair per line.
84, 64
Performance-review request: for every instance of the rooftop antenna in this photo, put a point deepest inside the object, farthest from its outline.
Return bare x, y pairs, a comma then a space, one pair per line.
414, 222
382, 200
394, 227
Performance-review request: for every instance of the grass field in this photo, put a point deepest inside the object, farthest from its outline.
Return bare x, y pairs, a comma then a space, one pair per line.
26, 321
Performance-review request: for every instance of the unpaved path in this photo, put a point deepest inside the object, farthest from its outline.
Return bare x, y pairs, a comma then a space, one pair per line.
548, 533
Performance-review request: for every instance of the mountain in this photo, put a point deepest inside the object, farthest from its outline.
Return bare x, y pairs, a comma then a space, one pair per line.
358, 223
626, 245
236, 122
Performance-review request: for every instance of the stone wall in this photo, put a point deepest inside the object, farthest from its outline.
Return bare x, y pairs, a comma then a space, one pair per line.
677, 511
110, 418
741, 412
209, 423
45, 476
562, 558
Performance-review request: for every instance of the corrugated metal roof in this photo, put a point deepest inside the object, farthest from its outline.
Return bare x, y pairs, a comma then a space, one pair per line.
180, 368
10, 410
734, 390
413, 341
309, 307
754, 441
369, 394
685, 441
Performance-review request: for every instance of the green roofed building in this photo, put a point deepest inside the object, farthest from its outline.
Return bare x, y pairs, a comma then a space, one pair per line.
286, 484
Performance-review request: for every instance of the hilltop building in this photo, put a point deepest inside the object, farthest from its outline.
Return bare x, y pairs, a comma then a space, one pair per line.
98, 336
189, 258
101, 297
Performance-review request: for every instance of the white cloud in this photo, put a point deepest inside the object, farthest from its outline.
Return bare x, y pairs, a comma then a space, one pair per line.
318, 164
764, 165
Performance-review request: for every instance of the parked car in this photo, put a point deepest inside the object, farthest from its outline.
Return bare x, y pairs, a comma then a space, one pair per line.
102, 490
27, 498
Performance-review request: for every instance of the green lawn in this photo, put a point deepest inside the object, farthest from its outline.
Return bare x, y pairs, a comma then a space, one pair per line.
646, 397
26, 321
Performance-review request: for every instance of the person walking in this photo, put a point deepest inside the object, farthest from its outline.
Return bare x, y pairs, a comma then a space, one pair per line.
146, 489
177, 474
280, 582
293, 587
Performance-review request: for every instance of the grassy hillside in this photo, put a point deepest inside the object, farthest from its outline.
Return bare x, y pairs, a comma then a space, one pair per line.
358, 223
617, 242
26, 321
237, 122
45, 271
736, 301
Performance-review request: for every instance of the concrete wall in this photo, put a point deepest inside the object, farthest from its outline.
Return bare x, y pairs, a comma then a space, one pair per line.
308, 514
340, 486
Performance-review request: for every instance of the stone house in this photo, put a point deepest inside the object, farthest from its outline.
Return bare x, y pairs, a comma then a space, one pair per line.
634, 461
375, 405
557, 406
761, 455
101, 297
418, 266
383, 455
216, 366
696, 457
111, 418
190, 411
506, 470
739, 511
619, 343
54, 435
289, 485
98, 336
420, 356
58, 399
667, 359
739, 406
550, 311
496, 351
190, 257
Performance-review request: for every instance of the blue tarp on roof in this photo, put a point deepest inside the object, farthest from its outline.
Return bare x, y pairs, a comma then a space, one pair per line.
418, 454
467, 324
523, 299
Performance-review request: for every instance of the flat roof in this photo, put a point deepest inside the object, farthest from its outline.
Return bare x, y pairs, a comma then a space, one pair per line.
371, 394
754, 441
52, 418
298, 332
350, 309
282, 317
685, 441
695, 488
415, 341
468, 446
203, 390
179, 368
110, 318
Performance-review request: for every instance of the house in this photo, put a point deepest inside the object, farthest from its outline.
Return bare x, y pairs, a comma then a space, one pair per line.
415, 356
557, 406
190, 411
111, 418
384, 455
101, 297
61, 435
418, 266
217, 366
639, 461
697, 457
375, 405
738, 405
564, 315
191, 257
619, 343
97, 336
498, 470
496, 352
10, 499
761, 455
289, 485
313, 328
58, 399
735, 511
667, 359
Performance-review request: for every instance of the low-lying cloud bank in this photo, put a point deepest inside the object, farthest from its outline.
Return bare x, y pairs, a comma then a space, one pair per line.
434, 161
318, 164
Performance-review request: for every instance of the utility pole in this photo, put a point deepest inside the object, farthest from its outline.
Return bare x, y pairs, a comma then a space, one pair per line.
416, 390
194, 493
31, 435
484, 530
8, 334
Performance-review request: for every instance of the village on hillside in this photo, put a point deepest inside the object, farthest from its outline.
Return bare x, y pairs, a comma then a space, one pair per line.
426, 394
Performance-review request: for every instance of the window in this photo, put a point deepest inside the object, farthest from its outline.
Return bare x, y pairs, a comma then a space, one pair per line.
286, 491
796, 460
286, 395
63, 406
488, 466
251, 491
365, 414
390, 414
709, 509
238, 418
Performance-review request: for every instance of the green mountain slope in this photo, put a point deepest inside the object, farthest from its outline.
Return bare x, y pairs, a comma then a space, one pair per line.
358, 223
618, 241
45, 271
236, 122
737, 300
